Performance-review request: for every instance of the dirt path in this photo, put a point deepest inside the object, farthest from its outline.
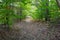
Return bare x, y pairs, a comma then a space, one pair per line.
27, 31
32, 31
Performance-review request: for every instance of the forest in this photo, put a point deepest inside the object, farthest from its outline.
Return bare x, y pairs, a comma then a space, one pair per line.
29, 19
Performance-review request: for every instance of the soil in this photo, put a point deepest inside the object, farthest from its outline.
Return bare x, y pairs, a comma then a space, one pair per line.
31, 31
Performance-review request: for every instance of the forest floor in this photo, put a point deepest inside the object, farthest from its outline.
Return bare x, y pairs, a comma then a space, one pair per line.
30, 31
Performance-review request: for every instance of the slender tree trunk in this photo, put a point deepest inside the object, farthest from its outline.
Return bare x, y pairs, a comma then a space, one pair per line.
58, 3
47, 17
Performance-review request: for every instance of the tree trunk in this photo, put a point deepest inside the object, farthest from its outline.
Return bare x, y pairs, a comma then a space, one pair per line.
47, 18
58, 3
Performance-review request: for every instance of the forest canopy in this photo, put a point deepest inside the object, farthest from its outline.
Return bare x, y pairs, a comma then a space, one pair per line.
20, 9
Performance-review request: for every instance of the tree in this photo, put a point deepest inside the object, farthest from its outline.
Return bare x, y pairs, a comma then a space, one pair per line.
58, 3
46, 9
6, 12
47, 18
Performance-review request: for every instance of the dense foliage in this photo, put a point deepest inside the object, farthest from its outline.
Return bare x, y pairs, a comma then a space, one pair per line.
37, 9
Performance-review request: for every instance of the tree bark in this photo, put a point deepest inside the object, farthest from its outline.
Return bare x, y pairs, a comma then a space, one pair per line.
58, 3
